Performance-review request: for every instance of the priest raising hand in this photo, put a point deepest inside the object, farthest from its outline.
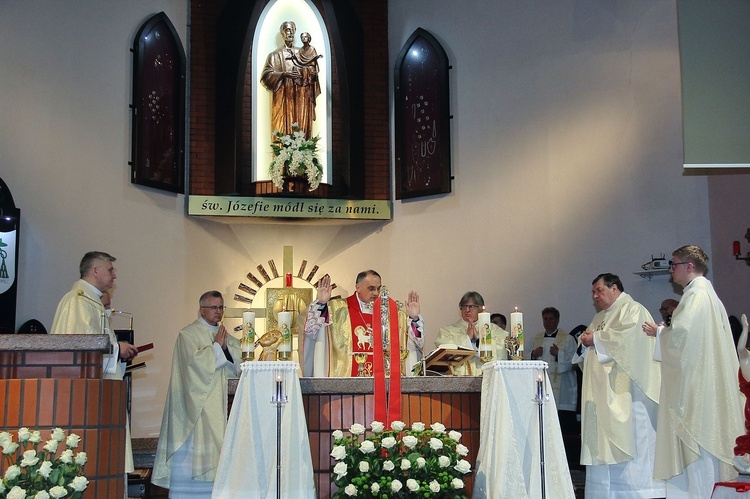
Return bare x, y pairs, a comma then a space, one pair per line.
337, 328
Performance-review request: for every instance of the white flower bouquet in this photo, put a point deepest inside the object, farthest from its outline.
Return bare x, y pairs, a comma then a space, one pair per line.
42, 474
295, 156
399, 462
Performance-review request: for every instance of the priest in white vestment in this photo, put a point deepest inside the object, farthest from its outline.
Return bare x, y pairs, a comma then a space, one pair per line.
620, 395
336, 329
701, 407
557, 348
195, 415
464, 333
81, 311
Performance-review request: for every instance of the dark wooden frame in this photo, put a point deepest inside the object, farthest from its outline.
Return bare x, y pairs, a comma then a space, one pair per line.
421, 96
158, 109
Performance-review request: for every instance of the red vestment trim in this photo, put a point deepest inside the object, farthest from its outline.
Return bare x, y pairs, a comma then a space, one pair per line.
389, 410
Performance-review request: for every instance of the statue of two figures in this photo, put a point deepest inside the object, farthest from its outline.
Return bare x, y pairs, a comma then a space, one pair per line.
291, 75
742, 449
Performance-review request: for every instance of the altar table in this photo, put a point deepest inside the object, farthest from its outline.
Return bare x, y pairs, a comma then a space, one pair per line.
508, 462
247, 466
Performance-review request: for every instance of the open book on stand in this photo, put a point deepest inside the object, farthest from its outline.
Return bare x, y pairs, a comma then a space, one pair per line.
444, 359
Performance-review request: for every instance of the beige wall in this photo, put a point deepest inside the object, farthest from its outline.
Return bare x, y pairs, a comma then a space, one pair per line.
567, 158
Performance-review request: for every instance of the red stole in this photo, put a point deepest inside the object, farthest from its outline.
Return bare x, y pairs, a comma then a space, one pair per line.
359, 320
390, 410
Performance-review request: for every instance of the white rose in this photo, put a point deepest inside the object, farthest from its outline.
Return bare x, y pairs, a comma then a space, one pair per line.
364, 466
340, 470
405, 464
10, 448
72, 441
66, 456
35, 438
421, 462
357, 429
418, 426
366, 447
412, 485
5, 438
12, 472
410, 441
29, 458
444, 461
51, 446
396, 485
435, 444
81, 458
350, 490
434, 486
338, 452
16, 493
438, 427
388, 465
23, 434
58, 492
457, 483
377, 426
338, 434
41, 495
79, 483
398, 426
45, 469
58, 434
463, 466
461, 450
388, 442
375, 488
454, 435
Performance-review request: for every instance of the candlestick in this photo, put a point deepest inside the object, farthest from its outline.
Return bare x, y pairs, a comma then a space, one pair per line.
285, 326
248, 336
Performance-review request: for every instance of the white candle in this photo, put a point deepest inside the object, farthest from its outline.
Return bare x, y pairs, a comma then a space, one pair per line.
248, 325
285, 326
516, 324
483, 327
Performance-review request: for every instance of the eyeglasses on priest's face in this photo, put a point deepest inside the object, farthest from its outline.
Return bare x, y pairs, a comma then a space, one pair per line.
469, 307
216, 307
673, 265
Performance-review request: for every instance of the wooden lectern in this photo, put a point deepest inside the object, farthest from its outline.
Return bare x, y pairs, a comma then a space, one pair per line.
444, 360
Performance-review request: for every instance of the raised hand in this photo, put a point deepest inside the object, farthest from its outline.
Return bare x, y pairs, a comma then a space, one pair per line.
412, 305
324, 289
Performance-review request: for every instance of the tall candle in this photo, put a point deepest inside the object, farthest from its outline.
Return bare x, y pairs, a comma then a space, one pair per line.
516, 324
483, 327
285, 326
248, 330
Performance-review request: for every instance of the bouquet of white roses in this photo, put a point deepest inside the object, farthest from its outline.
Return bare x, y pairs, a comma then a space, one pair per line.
295, 156
399, 462
42, 474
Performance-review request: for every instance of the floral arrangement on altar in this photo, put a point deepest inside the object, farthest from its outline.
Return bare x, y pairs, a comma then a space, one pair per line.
295, 156
397, 462
42, 474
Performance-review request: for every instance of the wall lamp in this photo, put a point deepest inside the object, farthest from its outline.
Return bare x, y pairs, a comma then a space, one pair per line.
737, 250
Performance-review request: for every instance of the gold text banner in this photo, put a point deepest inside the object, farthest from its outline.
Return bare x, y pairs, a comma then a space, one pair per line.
309, 208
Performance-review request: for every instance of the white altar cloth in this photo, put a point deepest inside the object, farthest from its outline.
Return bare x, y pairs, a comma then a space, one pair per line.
508, 457
247, 466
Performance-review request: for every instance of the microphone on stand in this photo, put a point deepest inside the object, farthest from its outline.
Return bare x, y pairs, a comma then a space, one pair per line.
81, 294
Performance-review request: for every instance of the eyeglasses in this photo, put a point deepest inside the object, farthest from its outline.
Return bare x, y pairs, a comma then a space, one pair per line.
468, 307
663, 309
216, 307
672, 264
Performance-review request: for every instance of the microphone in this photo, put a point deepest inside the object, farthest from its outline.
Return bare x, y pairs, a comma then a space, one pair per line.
103, 314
